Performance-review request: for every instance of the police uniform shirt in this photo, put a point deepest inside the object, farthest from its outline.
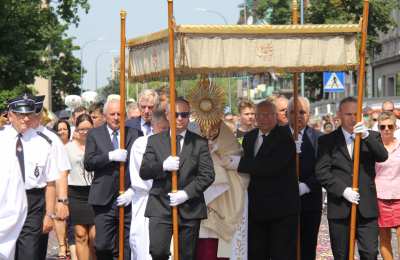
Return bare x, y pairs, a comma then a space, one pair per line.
7, 131
39, 163
59, 152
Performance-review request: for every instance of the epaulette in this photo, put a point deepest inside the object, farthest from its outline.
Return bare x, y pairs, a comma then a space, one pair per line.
45, 137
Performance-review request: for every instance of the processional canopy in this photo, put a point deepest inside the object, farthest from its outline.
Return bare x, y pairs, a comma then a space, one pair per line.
225, 49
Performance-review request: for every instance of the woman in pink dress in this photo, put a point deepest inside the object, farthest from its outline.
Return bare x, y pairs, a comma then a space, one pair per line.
387, 184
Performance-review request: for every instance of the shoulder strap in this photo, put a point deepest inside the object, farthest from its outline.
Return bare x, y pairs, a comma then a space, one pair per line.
45, 137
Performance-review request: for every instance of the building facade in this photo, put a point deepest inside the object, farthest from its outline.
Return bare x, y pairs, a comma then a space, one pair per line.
385, 67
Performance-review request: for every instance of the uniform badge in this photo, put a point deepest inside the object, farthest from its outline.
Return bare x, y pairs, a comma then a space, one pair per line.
36, 172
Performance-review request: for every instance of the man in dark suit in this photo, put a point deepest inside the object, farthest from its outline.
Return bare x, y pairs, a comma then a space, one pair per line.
310, 189
269, 159
147, 102
334, 169
195, 174
103, 156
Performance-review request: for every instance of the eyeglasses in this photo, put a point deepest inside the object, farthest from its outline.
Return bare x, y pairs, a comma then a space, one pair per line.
383, 127
182, 114
374, 119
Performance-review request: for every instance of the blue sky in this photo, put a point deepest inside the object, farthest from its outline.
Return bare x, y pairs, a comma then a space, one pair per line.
143, 17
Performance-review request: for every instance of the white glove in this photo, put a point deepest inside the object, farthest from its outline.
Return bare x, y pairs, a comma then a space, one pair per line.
360, 128
171, 163
231, 162
118, 155
177, 198
125, 198
298, 143
351, 195
303, 188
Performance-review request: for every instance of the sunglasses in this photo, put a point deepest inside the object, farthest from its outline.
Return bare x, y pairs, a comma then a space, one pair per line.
383, 127
182, 114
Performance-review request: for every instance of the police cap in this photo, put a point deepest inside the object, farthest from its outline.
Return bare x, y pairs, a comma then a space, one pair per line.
24, 104
38, 103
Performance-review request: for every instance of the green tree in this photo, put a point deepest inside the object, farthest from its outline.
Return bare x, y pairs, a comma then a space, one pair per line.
333, 12
112, 87
33, 42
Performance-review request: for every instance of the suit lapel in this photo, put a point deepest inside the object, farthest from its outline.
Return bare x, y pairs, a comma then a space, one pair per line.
252, 142
342, 144
272, 140
186, 148
108, 138
165, 144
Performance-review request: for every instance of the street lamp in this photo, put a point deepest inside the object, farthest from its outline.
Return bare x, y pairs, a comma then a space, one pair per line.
213, 12
226, 22
82, 49
97, 61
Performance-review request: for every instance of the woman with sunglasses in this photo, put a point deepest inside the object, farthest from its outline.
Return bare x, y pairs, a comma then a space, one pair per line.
79, 181
387, 184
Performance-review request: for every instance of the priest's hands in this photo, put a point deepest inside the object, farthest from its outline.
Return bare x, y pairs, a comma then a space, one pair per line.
171, 163
118, 155
177, 198
351, 196
125, 198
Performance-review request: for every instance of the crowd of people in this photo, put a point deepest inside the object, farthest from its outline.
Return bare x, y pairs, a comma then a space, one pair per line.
239, 195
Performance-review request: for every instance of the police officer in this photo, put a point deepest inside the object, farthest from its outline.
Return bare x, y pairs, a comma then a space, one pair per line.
38, 173
62, 167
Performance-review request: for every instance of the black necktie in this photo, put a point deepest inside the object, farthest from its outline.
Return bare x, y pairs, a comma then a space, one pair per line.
115, 139
19, 152
178, 144
147, 125
265, 140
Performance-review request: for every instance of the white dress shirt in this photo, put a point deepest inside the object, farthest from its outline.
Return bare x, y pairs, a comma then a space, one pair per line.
301, 132
349, 138
183, 134
146, 129
110, 132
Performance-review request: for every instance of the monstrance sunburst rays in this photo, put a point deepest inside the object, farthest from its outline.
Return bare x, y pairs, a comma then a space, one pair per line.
207, 101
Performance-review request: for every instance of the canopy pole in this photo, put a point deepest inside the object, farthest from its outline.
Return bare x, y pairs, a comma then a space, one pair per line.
122, 131
360, 95
295, 20
171, 35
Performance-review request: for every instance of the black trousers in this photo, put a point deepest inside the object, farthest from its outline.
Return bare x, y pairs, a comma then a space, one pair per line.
366, 235
28, 243
43, 243
310, 222
273, 239
106, 221
160, 231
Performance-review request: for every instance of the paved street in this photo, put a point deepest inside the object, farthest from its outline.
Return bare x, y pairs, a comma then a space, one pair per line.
324, 248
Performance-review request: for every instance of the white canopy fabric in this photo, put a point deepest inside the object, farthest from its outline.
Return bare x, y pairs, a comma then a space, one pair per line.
228, 49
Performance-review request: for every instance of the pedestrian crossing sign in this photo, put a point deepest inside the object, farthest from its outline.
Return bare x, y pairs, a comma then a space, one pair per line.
333, 81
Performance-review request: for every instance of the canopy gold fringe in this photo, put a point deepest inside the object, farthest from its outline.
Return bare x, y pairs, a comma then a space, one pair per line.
189, 72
